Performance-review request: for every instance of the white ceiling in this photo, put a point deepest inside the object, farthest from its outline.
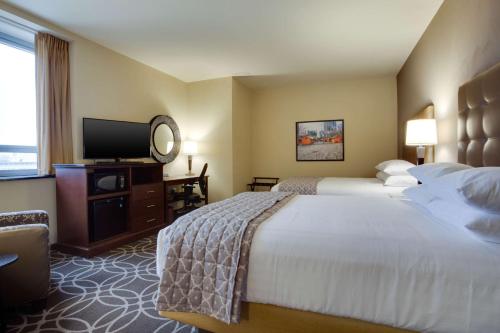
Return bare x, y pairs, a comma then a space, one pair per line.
203, 39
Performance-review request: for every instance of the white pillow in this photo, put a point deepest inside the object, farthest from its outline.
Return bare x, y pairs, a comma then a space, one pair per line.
398, 181
426, 173
477, 187
381, 175
419, 195
395, 167
482, 224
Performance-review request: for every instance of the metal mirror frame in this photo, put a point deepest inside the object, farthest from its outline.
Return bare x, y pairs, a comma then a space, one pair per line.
172, 154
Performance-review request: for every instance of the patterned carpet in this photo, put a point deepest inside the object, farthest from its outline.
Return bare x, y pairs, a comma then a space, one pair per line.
114, 292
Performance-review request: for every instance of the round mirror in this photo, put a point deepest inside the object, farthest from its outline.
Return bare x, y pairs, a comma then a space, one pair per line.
165, 139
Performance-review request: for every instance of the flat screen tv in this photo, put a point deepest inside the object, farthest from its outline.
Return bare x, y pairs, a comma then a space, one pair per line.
106, 139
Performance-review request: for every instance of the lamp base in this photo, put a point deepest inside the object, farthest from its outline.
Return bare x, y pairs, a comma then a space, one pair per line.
420, 155
190, 164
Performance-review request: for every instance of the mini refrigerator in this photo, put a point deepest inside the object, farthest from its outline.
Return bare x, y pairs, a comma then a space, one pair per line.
108, 217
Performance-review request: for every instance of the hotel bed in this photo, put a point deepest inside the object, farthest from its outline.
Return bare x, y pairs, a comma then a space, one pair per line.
351, 186
354, 263
391, 179
388, 263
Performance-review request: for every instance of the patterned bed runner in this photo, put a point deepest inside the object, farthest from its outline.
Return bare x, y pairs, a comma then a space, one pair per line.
300, 185
207, 255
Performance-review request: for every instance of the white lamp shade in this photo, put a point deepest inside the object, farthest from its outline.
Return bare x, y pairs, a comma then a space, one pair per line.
421, 132
190, 148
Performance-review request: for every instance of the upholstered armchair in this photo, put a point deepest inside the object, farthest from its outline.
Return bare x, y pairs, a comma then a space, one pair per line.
25, 282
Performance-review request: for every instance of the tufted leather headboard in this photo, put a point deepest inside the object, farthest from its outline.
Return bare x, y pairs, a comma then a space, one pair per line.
479, 119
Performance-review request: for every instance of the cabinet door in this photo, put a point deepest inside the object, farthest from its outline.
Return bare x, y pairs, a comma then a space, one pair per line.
108, 217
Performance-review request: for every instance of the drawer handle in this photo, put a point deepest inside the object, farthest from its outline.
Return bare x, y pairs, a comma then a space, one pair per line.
150, 206
150, 220
151, 191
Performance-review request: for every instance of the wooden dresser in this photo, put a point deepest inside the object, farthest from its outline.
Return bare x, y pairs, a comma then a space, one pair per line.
91, 221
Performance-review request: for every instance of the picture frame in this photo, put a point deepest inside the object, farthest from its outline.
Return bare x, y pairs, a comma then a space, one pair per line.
319, 140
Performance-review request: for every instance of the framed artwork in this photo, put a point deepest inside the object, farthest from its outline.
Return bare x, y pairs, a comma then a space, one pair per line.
321, 140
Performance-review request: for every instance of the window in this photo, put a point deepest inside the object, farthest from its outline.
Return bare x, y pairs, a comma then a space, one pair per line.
18, 134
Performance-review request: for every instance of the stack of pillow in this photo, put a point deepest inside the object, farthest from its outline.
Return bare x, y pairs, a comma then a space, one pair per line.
395, 173
465, 197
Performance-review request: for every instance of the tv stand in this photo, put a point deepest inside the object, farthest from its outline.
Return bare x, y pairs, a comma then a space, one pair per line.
142, 198
118, 161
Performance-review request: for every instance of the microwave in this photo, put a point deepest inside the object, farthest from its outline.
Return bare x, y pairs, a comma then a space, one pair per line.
107, 182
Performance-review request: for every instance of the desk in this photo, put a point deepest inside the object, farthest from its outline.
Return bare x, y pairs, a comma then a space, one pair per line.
176, 181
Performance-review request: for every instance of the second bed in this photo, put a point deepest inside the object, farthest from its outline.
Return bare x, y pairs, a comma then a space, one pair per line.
339, 186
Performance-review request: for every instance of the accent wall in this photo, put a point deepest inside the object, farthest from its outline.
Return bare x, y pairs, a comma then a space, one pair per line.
462, 40
368, 107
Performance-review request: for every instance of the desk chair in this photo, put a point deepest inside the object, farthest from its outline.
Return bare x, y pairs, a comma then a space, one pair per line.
190, 198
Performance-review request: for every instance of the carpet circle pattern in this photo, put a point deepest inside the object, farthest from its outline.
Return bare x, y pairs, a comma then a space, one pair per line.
111, 293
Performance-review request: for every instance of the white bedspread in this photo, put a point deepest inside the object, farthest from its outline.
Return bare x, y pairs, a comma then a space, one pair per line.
354, 186
376, 259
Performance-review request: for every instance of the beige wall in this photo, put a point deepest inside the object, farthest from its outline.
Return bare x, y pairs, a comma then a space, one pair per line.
210, 124
242, 136
240, 132
104, 84
462, 40
368, 107
18, 195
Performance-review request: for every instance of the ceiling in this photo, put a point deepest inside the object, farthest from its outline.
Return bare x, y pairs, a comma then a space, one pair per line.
204, 39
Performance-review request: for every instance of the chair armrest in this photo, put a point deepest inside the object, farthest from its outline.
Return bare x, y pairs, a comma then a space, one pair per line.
24, 217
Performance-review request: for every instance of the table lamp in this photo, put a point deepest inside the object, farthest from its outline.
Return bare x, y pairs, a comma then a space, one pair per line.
190, 148
421, 133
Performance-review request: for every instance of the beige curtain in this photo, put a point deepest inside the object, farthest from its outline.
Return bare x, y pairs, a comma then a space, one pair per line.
55, 144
